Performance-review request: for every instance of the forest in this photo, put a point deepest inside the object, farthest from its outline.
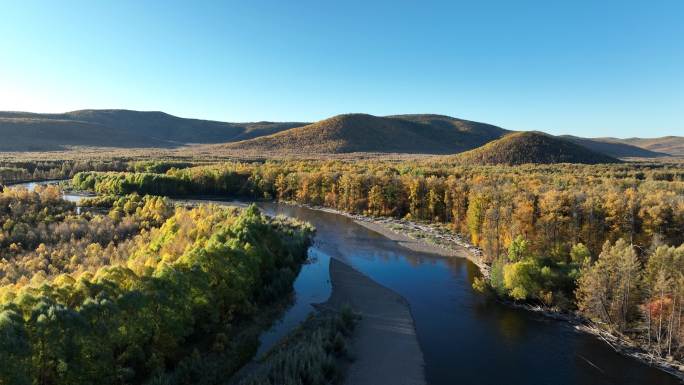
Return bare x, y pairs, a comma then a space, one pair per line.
602, 240
136, 290
16, 171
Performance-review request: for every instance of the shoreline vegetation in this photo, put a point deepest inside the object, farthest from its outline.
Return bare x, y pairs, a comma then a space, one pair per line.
318, 351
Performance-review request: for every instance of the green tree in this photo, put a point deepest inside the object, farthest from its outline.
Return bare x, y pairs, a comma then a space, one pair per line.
518, 249
580, 255
14, 349
521, 279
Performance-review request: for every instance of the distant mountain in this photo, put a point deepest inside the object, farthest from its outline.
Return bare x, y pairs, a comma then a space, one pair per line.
37, 134
348, 133
672, 145
617, 149
427, 134
120, 128
531, 147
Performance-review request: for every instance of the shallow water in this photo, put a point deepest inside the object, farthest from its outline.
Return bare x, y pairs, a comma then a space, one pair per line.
312, 286
466, 338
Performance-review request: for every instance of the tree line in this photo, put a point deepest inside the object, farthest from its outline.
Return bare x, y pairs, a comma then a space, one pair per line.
38, 170
552, 207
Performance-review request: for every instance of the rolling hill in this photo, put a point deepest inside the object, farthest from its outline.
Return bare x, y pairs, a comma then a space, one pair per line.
615, 149
672, 145
531, 147
37, 134
425, 134
22, 131
341, 134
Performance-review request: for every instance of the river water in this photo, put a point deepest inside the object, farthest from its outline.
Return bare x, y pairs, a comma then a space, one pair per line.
71, 197
466, 337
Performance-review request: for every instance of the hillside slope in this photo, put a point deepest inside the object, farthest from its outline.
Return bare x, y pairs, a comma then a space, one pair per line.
531, 147
119, 127
342, 134
672, 145
428, 134
615, 149
35, 134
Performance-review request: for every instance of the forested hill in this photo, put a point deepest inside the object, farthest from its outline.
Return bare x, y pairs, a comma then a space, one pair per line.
531, 147
427, 134
23, 131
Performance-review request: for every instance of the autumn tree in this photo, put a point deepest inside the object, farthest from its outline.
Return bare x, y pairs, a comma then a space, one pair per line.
608, 290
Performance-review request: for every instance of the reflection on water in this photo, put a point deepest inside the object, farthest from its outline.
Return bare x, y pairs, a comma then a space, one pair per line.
467, 338
511, 328
312, 286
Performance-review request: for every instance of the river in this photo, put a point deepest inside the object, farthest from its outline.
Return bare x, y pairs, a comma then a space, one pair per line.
466, 338
69, 196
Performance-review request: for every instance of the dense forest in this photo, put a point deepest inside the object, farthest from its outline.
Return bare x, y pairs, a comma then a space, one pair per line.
138, 292
604, 240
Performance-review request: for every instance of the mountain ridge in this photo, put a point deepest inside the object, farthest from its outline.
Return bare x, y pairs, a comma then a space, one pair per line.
670, 144
615, 149
151, 128
345, 133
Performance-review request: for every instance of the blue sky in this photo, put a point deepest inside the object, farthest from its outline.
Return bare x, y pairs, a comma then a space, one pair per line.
590, 68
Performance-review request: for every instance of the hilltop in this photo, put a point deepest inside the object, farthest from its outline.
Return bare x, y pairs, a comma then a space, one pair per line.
22, 131
426, 134
531, 147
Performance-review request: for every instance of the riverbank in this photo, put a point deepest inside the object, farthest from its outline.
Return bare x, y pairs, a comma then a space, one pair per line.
630, 348
363, 334
385, 345
619, 343
414, 236
435, 240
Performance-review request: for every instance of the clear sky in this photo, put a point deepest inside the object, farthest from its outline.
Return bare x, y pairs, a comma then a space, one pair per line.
590, 68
